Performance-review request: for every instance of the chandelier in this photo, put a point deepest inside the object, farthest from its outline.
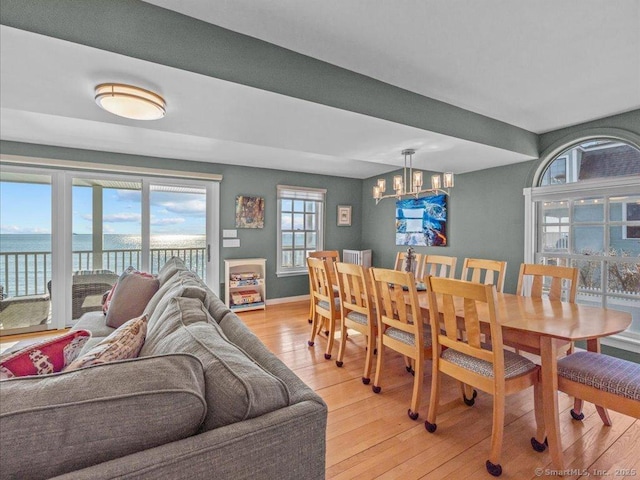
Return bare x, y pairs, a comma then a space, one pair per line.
401, 188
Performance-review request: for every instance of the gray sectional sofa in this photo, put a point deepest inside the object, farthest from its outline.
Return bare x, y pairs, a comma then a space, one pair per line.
205, 399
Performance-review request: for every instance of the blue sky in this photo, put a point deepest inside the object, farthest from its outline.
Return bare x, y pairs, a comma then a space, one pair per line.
26, 208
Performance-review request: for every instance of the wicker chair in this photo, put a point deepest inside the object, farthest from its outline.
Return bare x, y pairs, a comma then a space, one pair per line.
87, 290
24, 311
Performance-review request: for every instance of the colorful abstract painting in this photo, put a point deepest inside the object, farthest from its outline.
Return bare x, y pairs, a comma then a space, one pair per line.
422, 221
249, 212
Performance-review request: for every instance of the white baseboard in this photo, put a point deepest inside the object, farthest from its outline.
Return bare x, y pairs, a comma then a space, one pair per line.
298, 298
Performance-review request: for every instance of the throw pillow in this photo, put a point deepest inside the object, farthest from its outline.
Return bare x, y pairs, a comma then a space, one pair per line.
108, 295
130, 297
49, 356
122, 344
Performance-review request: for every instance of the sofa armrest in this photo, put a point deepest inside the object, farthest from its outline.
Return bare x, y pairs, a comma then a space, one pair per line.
288, 443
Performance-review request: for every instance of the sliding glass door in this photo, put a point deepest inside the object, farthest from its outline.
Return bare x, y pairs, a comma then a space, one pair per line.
106, 237
56, 263
178, 225
25, 251
122, 221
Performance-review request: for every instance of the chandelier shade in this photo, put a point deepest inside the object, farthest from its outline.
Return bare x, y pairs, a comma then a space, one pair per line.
130, 102
439, 183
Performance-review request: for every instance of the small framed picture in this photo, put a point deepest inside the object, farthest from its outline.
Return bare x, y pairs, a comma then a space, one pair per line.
344, 215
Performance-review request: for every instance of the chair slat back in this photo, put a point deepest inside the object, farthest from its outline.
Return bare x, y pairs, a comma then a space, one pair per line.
331, 256
392, 306
322, 290
475, 299
353, 288
438, 266
494, 272
401, 263
554, 276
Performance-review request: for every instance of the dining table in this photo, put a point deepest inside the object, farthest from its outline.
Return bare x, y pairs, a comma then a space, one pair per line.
544, 326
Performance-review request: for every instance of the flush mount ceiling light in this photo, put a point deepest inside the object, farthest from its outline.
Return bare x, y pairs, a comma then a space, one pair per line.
130, 102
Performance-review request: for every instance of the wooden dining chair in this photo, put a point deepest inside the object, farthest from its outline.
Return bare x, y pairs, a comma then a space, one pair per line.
438, 266
606, 381
331, 256
534, 280
489, 368
356, 311
325, 306
558, 283
493, 270
400, 327
401, 263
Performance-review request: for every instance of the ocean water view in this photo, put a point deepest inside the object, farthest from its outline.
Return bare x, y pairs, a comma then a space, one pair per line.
19, 242
25, 259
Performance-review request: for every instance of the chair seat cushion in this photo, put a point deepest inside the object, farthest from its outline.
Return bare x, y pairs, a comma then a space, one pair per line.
408, 338
324, 304
514, 364
358, 318
603, 372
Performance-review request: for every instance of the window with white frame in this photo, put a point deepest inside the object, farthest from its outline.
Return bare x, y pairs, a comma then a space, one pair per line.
631, 213
300, 227
592, 221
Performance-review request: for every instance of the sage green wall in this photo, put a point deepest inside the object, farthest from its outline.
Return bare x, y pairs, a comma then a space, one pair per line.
262, 243
486, 207
486, 220
241, 181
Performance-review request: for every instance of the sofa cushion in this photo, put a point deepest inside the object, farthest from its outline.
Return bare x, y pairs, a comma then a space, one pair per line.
216, 307
178, 284
44, 357
130, 298
123, 343
181, 279
238, 333
59, 423
95, 323
237, 388
170, 268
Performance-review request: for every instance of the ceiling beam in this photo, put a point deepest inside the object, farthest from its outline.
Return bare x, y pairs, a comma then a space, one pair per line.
148, 32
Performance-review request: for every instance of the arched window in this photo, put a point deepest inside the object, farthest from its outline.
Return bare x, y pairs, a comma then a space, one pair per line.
592, 159
585, 210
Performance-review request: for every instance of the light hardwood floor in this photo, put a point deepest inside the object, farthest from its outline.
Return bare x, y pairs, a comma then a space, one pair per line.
370, 435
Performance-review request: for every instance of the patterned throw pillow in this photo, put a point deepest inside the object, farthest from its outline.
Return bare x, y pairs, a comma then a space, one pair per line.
44, 357
125, 342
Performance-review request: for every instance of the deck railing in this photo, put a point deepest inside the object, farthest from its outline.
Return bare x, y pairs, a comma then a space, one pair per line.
27, 273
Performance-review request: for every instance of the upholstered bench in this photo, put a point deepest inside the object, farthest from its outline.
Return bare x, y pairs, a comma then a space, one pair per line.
606, 381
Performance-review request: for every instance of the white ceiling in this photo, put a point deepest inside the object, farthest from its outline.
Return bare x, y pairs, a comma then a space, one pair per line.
538, 65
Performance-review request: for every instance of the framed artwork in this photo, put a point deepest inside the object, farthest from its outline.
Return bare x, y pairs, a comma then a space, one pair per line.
422, 221
344, 215
249, 212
